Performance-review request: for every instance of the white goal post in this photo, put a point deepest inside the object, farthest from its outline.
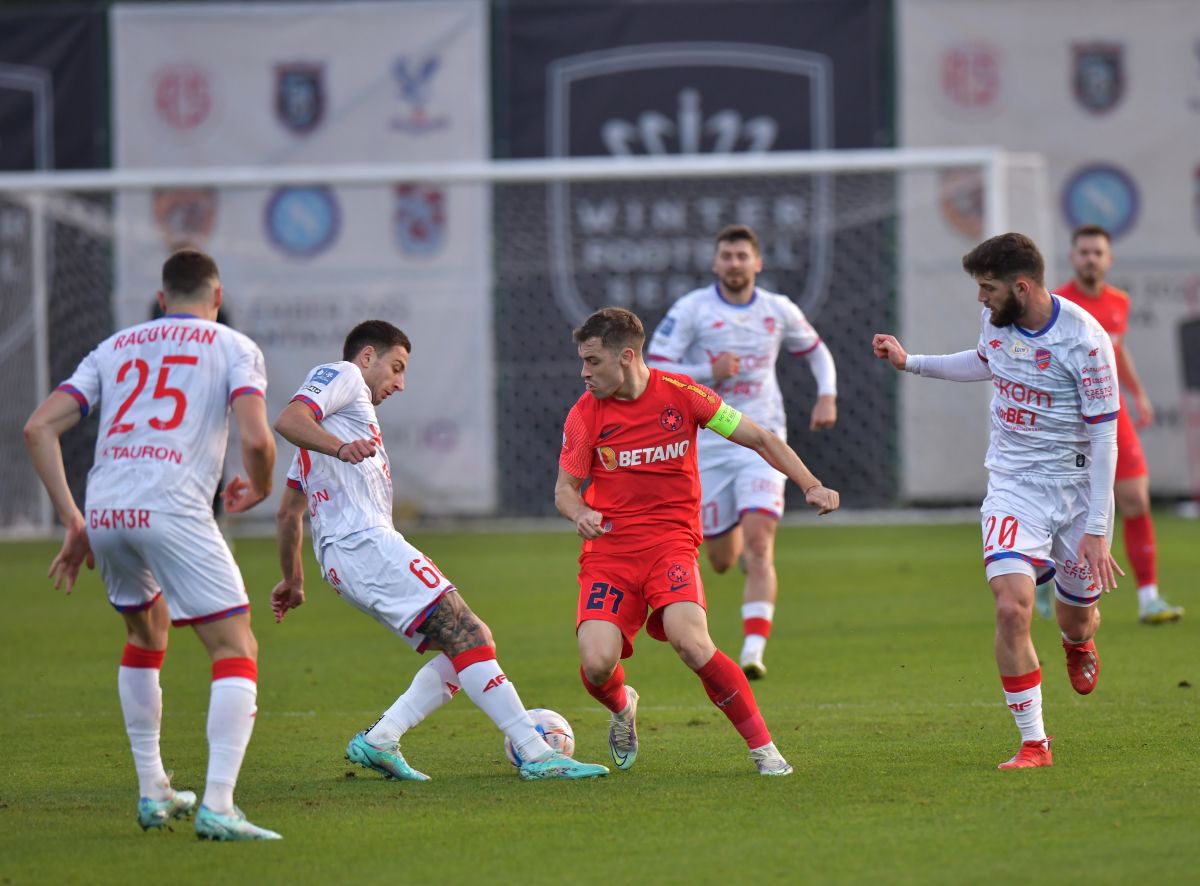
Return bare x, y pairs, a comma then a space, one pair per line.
915, 200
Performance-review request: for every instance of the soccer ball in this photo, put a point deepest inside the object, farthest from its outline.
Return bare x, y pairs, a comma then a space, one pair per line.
553, 726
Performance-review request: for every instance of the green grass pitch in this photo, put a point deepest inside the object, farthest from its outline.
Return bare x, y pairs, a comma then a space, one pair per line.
882, 692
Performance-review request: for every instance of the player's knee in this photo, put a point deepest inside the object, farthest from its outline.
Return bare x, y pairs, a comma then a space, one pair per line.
1132, 503
695, 650
721, 561
597, 666
1013, 615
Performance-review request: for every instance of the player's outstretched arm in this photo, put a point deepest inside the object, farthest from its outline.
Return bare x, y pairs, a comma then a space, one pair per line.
58, 413
783, 458
289, 537
299, 426
258, 456
588, 523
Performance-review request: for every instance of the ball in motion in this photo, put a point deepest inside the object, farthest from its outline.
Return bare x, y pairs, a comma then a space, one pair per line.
552, 726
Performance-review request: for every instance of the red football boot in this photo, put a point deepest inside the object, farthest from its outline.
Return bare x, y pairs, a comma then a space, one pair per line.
1083, 665
1032, 753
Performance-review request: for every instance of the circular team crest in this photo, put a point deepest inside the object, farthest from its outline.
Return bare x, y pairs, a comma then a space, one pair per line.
671, 419
677, 574
302, 221
1102, 195
971, 74
183, 95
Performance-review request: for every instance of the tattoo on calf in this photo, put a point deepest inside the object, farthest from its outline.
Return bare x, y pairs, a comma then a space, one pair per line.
453, 627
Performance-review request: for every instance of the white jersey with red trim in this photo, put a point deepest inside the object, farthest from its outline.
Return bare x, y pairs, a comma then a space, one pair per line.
164, 388
702, 324
1045, 386
342, 498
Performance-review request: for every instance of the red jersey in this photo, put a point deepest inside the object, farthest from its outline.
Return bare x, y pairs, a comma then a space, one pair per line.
641, 456
1110, 307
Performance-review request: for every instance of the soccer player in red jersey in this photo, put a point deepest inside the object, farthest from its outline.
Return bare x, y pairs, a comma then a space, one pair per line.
1091, 258
633, 432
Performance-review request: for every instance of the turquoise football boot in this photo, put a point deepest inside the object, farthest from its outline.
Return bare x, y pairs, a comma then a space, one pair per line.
231, 826
560, 766
386, 760
158, 813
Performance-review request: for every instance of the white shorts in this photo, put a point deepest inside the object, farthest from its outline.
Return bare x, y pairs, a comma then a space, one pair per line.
734, 483
378, 572
143, 554
1033, 525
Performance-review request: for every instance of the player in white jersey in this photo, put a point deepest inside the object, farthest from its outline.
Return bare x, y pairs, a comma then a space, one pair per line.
728, 336
1051, 461
340, 476
164, 391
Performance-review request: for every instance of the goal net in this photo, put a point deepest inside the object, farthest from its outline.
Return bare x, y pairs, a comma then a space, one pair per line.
489, 266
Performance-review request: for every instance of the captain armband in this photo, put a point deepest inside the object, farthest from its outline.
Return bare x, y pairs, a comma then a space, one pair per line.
725, 421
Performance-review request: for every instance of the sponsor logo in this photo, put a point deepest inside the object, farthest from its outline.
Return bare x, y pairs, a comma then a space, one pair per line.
419, 219
300, 95
1018, 349
1098, 75
325, 375
314, 389
120, 518
695, 389
619, 244
769, 325
609, 431
667, 326
1019, 393
183, 95
1080, 460
718, 324
970, 74
995, 343
494, 682
414, 81
185, 216
302, 221
960, 194
631, 458
671, 419
1101, 194
1093, 352
1041, 359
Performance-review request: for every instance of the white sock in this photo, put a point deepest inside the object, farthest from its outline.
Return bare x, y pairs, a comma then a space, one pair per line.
1026, 707
433, 686
759, 609
1146, 593
141, 703
231, 713
487, 686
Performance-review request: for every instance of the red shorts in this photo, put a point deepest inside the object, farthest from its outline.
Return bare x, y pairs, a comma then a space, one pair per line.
1131, 462
623, 589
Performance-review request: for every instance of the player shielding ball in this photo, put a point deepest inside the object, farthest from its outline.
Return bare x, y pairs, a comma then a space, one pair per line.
1051, 460
1091, 257
633, 432
728, 335
341, 476
164, 391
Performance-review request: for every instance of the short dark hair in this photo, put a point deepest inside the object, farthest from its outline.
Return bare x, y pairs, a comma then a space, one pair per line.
378, 334
616, 328
1090, 231
1004, 257
732, 233
187, 274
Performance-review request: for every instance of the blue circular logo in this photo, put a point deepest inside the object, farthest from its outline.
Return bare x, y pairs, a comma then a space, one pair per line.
302, 221
1103, 195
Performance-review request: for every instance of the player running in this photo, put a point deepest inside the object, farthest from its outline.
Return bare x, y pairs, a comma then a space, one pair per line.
728, 335
1051, 461
1091, 257
633, 432
164, 390
340, 475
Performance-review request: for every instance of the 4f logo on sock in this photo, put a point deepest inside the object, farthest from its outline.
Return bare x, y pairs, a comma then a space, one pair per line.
1020, 705
494, 682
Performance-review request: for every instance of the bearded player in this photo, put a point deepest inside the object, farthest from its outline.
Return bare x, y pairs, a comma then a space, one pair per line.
729, 335
1050, 461
1091, 257
633, 433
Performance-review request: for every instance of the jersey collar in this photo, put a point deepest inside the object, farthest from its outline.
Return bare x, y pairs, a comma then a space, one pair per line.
176, 316
1049, 323
724, 300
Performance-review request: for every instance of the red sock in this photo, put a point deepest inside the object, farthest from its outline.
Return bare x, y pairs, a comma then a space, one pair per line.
760, 626
612, 693
729, 690
1139, 547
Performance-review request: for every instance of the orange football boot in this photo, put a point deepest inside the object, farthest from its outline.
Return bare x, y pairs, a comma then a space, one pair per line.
1083, 665
1032, 753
